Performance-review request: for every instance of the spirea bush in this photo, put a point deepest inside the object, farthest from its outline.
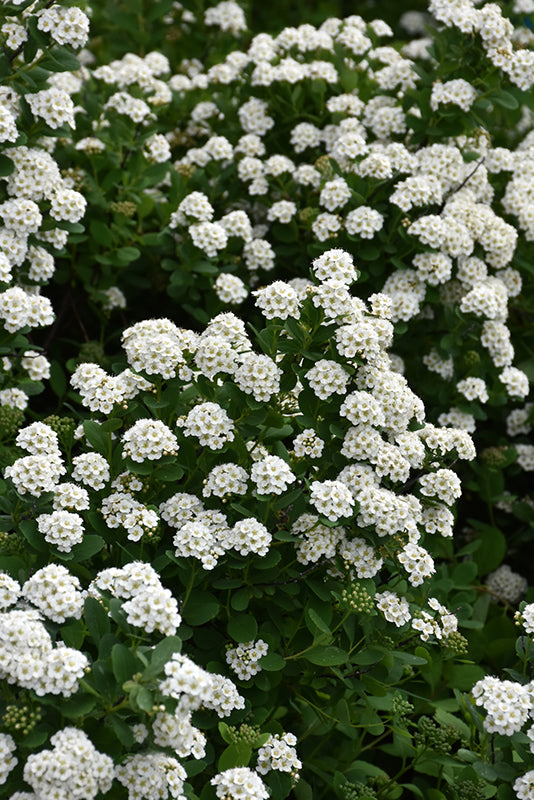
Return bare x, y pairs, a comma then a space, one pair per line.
407, 153
39, 207
266, 534
221, 475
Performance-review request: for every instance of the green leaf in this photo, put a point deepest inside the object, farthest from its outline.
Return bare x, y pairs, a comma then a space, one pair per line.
89, 547
485, 771
242, 628
153, 174
96, 618
73, 634
123, 663
5, 66
315, 623
162, 653
465, 573
112, 424
36, 738
101, 233
96, 436
125, 255
240, 599
58, 381
504, 99
225, 733
204, 268
280, 784
200, 608
31, 387
272, 662
28, 528
464, 676
492, 550
236, 755
144, 699
122, 730
59, 59
6, 166
171, 472
78, 706
368, 656
418, 658
295, 330
326, 656
303, 790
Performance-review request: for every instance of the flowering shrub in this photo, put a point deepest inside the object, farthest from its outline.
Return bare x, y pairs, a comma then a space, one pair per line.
317, 137
312, 482
38, 205
227, 562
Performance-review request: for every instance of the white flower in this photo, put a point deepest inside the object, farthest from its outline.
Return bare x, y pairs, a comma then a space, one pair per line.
271, 475
278, 300
332, 499
240, 783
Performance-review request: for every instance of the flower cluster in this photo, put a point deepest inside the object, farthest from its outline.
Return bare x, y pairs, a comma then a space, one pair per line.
244, 659
30, 659
279, 753
507, 704
73, 764
240, 782
148, 605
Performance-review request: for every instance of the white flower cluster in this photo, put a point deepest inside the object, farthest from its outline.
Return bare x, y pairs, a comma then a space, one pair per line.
394, 608
239, 782
308, 443
66, 25
148, 605
61, 529
40, 471
100, 391
207, 535
10, 591
29, 659
194, 688
121, 508
427, 625
506, 585
7, 760
225, 479
149, 439
154, 347
526, 617
72, 768
244, 658
91, 469
507, 704
271, 475
332, 499
495, 31
152, 776
210, 424
177, 732
55, 592
279, 753
226, 15
524, 786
